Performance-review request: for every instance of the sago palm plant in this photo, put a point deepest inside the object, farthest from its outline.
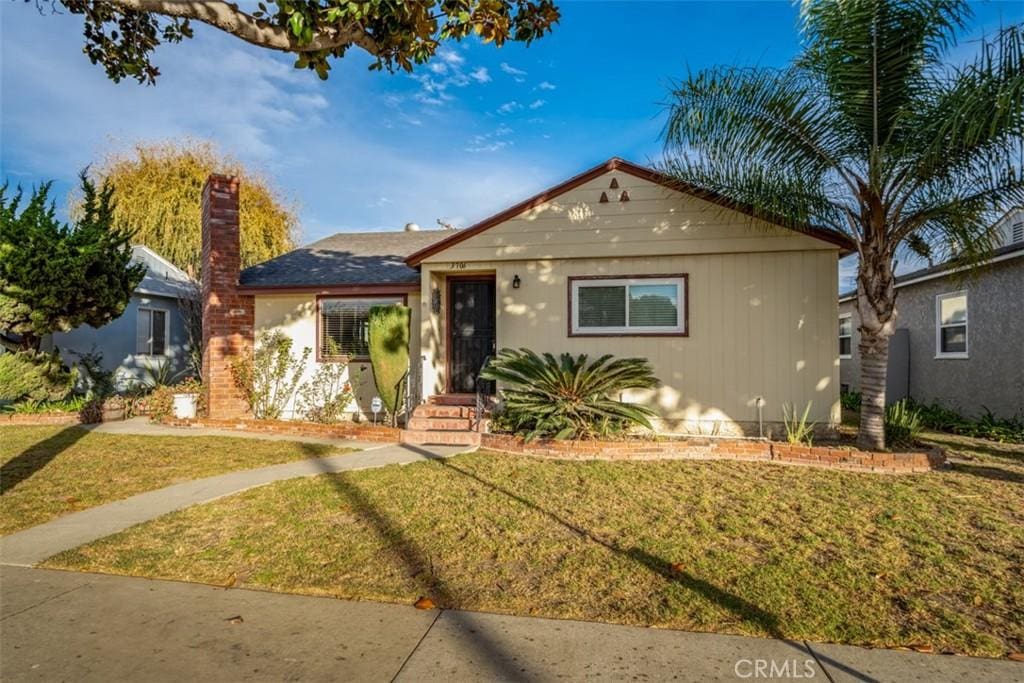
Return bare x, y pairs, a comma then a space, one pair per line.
870, 132
568, 397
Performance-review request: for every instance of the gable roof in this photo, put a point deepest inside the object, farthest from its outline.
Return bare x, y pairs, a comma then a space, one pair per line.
162, 277
346, 259
614, 164
1003, 253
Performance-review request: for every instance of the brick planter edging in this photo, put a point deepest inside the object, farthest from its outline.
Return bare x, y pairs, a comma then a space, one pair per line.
42, 419
338, 430
729, 449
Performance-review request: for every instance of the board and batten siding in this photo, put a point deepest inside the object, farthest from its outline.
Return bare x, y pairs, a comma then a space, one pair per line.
295, 315
762, 302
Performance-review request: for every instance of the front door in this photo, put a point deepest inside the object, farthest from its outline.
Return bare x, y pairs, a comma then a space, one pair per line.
471, 332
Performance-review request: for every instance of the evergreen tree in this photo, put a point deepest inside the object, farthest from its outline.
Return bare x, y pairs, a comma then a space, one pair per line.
56, 277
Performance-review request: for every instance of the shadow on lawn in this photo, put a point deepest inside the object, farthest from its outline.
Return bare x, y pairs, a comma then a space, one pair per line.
36, 457
445, 595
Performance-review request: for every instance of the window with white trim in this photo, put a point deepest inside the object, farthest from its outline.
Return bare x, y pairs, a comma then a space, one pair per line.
344, 326
845, 335
628, 306
152, 330
951, 325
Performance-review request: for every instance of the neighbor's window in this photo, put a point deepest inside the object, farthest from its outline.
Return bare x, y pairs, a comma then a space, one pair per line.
845, 335
951, 325
634, 306
343, 326
151, 332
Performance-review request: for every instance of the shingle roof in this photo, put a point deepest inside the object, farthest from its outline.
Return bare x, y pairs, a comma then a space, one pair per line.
944, 266
347, 258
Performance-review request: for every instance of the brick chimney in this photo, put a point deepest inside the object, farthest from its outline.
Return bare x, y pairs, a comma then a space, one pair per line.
228, 316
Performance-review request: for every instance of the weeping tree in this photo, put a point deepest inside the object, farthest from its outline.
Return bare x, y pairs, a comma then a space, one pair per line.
388, 337
871, 131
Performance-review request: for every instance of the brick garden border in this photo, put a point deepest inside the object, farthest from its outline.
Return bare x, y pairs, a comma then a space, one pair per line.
42, 419
338, 430
722, 449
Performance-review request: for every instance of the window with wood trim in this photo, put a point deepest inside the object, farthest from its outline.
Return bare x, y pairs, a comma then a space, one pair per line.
634, 305
951, 325
343, 330
845, 336
152, 329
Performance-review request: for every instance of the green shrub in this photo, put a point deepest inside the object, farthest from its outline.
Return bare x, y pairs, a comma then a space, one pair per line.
100, 380
567, 397
902, 424
160, 402
269, 377
798, 430
34, 376
850, 400
987, 426
325, 397
72, 404
389, 354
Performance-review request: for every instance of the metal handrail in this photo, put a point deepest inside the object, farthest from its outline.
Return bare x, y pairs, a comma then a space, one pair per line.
480, 394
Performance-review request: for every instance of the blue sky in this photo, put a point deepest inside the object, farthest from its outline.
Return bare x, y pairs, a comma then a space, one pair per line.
474, 131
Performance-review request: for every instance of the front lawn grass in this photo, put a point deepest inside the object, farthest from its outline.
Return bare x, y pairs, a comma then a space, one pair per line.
50, 471
932, 561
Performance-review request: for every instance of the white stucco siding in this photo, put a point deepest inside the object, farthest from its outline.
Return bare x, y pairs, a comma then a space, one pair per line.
295, 315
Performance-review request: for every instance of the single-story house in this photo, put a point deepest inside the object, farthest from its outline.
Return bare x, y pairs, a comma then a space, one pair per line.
958, 333
736, 315
149, 334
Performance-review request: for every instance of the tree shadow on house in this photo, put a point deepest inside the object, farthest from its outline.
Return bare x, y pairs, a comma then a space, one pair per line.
37, 456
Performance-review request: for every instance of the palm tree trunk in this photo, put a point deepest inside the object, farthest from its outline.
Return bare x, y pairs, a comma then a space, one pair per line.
876, 307
874, 361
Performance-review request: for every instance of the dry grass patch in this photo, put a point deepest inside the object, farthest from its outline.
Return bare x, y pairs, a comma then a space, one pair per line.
746, 548
50, 471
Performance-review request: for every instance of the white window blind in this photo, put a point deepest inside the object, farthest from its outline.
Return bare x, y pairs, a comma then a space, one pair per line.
629, 306
344, 326
951, 325
845, 336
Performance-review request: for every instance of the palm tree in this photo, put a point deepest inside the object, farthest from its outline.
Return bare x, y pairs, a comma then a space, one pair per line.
872, 132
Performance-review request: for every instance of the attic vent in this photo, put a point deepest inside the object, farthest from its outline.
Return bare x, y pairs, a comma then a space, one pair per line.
604, 198
615, 184
1017, 232
624, 197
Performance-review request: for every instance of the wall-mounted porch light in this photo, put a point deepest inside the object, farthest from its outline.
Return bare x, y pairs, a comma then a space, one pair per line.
516, 282
435, 300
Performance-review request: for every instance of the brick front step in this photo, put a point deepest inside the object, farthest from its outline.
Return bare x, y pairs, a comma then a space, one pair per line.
452, 400
440, 423
429, 437
431, 411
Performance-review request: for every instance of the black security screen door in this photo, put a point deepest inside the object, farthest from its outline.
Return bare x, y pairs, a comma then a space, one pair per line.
471, 333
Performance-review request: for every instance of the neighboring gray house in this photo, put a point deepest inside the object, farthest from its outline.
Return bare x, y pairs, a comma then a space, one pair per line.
959, 336
151, 331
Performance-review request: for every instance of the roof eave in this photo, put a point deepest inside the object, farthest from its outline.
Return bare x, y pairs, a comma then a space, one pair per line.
845, 244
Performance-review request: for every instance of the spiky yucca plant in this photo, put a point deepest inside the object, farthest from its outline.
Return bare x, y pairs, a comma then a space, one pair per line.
568, 397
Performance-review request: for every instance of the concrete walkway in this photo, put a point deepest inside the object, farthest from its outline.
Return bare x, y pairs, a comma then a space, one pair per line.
31, 546
89, 627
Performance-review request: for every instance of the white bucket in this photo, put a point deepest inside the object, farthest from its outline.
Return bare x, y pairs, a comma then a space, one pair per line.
185, 406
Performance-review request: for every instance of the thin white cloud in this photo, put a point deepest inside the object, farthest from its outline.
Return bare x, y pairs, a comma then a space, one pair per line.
518, 74
537, 104
451, 57
509, 107
547, 85
480, 75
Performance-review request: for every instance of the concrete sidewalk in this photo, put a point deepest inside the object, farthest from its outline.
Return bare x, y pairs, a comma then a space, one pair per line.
89, 627
33, 545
